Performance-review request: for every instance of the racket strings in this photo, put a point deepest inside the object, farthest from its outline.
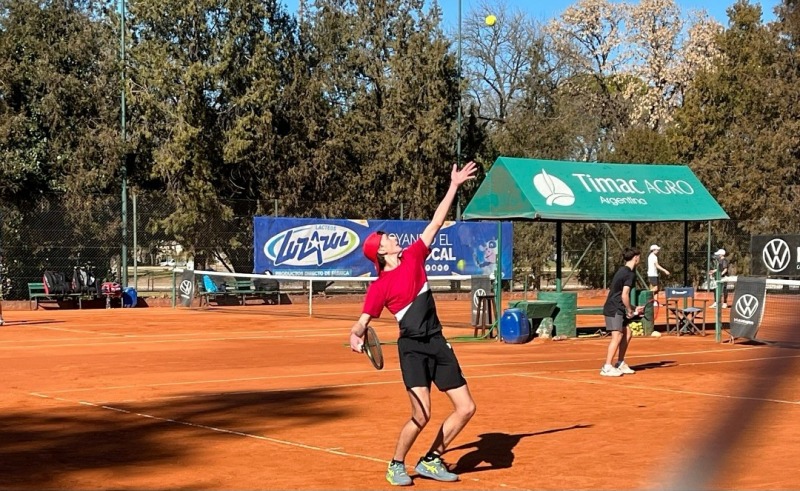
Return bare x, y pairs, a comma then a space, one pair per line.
372, 346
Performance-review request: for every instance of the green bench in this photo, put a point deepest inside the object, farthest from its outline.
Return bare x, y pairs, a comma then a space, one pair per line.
534, 309
240, 289
37, 294
589, 310
206, 296
245, 289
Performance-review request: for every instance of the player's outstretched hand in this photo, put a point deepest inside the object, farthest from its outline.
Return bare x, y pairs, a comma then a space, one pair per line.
466, 173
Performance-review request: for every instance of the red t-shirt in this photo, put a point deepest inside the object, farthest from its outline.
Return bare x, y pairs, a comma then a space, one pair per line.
397, 289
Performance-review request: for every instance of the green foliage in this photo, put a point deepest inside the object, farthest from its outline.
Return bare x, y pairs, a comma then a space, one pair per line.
735, 125
59, 101
385, 70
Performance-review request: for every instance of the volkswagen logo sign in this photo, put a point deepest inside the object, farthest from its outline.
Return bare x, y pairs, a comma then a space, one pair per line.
776, 255
746, 306
186, 288
478, 293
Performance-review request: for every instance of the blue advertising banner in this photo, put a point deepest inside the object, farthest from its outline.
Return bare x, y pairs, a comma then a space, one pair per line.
323, 247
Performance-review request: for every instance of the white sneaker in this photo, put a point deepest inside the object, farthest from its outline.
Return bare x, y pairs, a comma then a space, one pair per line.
624, 368
610, 371
724, 306
713, 305
2, 321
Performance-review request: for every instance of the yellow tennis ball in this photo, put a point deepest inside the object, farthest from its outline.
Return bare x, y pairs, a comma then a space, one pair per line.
490, 20
461, 264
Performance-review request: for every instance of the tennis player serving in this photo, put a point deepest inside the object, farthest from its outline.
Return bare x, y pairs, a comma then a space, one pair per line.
425, 355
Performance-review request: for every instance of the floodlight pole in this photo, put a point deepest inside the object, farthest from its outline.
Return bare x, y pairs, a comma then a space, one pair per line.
458, 117
124, 170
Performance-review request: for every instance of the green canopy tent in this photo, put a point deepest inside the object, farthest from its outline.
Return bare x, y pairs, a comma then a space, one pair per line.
563, 191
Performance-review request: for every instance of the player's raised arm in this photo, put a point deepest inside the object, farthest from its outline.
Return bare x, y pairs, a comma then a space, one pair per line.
457, 178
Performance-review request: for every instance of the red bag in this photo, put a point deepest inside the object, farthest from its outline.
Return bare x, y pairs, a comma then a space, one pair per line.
111, 288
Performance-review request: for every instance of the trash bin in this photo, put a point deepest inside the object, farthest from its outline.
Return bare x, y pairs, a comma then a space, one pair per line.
648, 320
514, 327
129, 297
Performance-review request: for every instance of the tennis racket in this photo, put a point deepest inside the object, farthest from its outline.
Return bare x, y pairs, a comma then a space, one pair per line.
372, 347
640, 310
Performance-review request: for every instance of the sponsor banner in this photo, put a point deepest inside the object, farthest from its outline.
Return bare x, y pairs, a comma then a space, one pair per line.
748, 306
592, 192
775, 255
186, 287
320, 247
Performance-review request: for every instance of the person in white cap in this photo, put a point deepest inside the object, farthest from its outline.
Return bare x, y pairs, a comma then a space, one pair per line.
652, 271
722, 267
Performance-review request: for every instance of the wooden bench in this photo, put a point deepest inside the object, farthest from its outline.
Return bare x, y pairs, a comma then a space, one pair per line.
37, 294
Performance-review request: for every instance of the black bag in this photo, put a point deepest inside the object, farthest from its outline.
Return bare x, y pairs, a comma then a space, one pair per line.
54, 283
83, 281
265, 284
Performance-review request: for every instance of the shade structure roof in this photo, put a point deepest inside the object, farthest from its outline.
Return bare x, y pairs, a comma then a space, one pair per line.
550, 190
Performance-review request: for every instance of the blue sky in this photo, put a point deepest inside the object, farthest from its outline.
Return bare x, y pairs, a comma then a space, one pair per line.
548, 9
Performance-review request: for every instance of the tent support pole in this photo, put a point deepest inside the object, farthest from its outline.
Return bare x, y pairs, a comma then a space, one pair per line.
685, 253
558, 257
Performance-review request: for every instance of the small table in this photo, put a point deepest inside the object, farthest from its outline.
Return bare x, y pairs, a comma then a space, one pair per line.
684, 320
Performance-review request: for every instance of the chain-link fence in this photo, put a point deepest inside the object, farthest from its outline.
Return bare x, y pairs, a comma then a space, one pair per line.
59, 234
54, 233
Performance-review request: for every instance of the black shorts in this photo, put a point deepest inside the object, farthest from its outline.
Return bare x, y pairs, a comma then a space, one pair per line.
429, 359
653, 280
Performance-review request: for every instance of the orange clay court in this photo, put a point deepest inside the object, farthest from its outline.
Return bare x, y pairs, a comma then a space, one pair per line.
266, 397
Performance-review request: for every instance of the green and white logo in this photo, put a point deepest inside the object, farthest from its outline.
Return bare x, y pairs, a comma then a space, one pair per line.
554, 190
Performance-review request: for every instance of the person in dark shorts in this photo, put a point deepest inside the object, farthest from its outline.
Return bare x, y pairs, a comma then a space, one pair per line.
653, 267
618, 313
425, 355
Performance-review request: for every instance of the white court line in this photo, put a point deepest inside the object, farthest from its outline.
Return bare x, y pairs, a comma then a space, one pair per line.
73, 341
654, 389
160, 341
167, 335
277, 441
134, 339
539, 374
83, 331
388, 370
268, 391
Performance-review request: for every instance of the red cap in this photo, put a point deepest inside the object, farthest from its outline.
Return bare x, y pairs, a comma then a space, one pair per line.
371, 245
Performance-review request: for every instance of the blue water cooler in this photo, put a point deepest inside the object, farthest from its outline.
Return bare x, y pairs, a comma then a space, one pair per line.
515, 327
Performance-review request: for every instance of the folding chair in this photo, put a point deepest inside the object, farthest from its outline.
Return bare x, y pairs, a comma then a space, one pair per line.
686, 310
